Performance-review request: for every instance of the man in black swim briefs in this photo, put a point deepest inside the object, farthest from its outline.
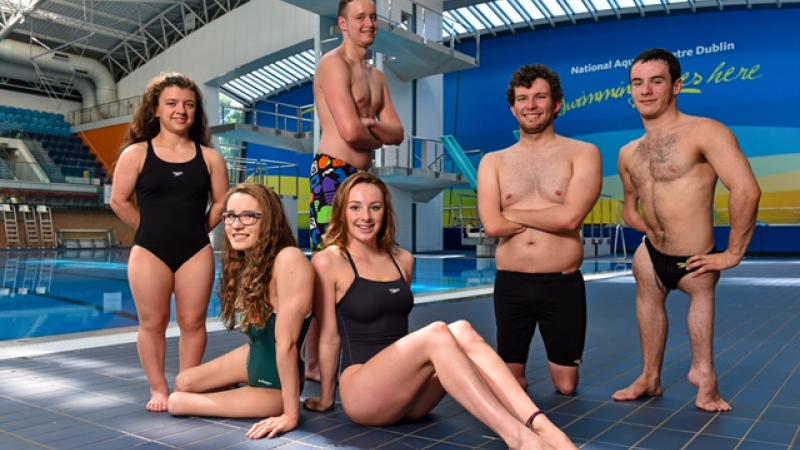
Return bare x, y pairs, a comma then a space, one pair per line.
534, 196
669, 176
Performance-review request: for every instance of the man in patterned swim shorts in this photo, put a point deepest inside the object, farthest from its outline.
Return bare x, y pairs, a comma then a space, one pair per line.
355, 111
327, 173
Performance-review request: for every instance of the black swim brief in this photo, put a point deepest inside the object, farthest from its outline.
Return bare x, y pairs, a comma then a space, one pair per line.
557, 302
669, 269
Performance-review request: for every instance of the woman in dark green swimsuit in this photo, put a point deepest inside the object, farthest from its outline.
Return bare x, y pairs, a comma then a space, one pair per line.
267, 288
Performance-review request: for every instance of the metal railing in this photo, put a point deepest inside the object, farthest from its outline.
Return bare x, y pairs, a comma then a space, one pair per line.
416, 152
430, 24
298, 119
604, 216
22, 171
119, 108
467, 217
281, 176
771, 215
55, 196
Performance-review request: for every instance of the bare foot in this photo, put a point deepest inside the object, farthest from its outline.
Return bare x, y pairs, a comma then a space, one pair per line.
529, 441
708, 396
158, 401
640, 388
551, 434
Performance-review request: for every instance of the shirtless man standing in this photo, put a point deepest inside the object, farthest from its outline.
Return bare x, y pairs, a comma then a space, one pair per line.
534, 197
356, 117
669, 174
355, 111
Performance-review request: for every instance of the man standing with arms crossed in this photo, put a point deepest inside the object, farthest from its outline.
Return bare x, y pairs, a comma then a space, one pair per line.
355, 111
534, 197
670, 175
356, 117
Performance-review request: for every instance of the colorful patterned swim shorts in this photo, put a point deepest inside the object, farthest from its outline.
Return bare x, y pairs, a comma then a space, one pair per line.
327, 173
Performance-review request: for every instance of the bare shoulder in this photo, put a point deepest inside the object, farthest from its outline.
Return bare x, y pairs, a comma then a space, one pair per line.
629, 147
489, 159
131, 158
290, 257
327, 260
332, 61
405, 259
378, 75
580, 148
210, 152
403, 256
135, 151
492, 159
212, 155
699, 126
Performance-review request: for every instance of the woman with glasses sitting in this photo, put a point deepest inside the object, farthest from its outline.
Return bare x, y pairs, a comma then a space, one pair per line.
267, 287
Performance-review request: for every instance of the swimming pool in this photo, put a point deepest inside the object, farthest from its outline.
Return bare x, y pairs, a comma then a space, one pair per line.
55, 292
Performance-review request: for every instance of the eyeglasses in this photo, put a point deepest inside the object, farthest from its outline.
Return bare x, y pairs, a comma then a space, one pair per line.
245, 218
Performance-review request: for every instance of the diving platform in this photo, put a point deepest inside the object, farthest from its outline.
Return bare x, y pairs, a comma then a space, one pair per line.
424, 184
272, 124
410, 55
419, 165
300, 142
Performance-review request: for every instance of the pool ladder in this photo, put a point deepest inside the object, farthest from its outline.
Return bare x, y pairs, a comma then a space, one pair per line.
10, 225
37, 223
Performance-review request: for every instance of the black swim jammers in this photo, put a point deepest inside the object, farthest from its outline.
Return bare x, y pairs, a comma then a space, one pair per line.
557, 302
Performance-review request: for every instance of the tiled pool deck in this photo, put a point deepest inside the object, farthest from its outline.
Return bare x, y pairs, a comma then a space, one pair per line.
93, 398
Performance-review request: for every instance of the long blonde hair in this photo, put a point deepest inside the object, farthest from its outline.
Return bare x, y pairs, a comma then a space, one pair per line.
246, 274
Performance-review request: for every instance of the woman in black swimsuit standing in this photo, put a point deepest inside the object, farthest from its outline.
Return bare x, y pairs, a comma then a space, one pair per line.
167, 164
362, 301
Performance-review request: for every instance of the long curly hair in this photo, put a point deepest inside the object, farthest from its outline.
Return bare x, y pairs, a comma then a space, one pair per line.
246, 274
145, 124
336, 233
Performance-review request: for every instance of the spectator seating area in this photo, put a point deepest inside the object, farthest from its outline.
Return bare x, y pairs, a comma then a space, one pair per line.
63, 148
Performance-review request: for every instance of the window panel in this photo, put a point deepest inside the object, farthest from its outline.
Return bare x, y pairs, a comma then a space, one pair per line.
471, 19
242, 89
290, 71
577, 6
554, 8
531, 9
509, 10
490, 15
255, 82
601, 5
278, 75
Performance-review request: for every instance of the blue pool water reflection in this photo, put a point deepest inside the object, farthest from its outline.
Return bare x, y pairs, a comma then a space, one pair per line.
53, 292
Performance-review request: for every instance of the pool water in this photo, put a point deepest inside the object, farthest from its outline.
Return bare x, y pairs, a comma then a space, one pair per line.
54, 292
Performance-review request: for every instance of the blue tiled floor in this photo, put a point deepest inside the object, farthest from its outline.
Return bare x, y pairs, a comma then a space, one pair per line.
92, 399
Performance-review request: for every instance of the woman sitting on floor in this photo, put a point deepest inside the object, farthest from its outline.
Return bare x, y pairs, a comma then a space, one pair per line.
363, 300
267, 286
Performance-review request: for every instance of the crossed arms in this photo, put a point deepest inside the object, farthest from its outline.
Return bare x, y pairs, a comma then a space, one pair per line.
582, 193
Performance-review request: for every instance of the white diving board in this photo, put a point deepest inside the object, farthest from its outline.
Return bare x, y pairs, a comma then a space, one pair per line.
409, 55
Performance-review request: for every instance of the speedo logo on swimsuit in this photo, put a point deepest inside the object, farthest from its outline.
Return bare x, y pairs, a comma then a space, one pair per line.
394, 290
264, 382
177, 174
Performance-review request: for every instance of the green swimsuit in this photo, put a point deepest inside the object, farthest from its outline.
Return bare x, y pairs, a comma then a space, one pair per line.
262, 366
